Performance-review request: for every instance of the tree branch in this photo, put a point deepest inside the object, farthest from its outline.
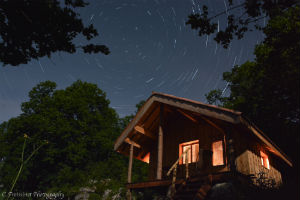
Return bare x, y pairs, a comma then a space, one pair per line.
221, 13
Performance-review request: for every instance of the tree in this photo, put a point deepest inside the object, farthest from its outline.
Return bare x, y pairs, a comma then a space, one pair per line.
139, 105
267, 89
80, 128
253, 11
126, 120
30, 29
214, 97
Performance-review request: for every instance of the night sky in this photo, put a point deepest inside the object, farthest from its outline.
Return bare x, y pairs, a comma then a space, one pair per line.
151, 50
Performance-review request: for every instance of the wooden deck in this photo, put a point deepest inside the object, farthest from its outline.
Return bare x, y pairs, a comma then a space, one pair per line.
211, 178
156, 183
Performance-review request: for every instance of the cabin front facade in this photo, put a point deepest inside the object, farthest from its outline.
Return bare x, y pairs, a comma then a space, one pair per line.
192, 139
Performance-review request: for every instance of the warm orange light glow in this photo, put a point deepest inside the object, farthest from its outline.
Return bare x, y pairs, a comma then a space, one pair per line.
192, 149
264, 160
187, 155
195, 152
217, 148
147, 158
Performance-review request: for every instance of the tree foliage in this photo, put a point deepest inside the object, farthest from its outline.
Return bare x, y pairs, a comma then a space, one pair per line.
214, 97
80, 128
237, 25
267, 89
125, 120
30, 29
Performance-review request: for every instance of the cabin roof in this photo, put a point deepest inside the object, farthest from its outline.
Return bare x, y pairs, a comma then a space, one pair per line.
143, 126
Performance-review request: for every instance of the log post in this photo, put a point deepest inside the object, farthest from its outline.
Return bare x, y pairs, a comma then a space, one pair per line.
130, 171
173, 188
160, 145
130, 163
230, 150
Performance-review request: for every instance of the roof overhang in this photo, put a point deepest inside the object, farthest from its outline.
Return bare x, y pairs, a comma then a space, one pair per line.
227, 115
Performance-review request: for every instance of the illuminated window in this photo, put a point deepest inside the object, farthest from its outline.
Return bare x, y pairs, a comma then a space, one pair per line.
147, 158
264, 160
218, 158
192, 149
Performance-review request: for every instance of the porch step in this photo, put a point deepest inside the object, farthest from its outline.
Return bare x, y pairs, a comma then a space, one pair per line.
184, 196
192, 189
195, 185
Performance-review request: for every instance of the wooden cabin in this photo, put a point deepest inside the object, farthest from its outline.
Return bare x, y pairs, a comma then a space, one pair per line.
197, 140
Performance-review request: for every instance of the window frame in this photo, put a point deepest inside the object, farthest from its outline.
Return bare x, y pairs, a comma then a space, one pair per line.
185, 144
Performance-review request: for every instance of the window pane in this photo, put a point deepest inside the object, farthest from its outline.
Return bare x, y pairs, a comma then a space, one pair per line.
217, 148
195, 152
264, 160
188, 153
184, 154
267, 163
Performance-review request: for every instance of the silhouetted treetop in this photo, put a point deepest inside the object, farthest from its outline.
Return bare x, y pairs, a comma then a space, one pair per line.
237, 25
30, 29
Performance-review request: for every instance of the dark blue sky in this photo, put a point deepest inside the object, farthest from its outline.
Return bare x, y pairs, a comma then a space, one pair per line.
151, 50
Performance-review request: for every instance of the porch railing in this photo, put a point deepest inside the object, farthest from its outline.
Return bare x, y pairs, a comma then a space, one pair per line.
174, 169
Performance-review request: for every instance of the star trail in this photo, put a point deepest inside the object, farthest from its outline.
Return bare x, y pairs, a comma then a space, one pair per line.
152, 49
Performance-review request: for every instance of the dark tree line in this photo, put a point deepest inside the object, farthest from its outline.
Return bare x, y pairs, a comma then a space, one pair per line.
237, 25
75, 129
31, 29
